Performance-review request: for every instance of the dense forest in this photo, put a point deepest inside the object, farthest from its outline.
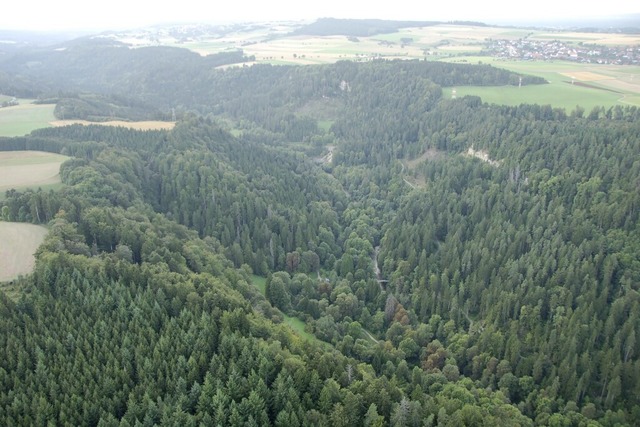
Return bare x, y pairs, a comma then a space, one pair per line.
454, 263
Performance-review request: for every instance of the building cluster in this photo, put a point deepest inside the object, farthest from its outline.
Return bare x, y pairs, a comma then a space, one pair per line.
525, 49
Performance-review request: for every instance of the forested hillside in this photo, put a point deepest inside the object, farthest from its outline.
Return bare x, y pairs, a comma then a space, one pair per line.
174, 79
437, 288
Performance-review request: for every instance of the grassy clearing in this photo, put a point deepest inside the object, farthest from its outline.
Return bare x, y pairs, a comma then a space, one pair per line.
30, 169
260, 282
298, 326
18, 243
325, 125
22, 119
293, 322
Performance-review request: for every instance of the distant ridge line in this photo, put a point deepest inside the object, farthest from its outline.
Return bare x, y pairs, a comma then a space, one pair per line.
357, 27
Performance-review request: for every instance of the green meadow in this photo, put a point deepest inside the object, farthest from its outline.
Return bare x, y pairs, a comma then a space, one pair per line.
260, 282
607, 86
562, 95
23, 118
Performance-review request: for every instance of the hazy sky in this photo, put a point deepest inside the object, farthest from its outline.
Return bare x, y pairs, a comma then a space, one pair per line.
115, 14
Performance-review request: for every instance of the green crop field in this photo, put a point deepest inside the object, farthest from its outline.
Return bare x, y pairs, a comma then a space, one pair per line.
22, 119
557, 95
570, 84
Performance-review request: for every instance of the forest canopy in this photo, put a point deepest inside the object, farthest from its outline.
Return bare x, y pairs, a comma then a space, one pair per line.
451, 262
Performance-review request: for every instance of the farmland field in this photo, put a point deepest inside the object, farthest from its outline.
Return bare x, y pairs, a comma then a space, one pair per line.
29, 169
276, 46
570, 84
18, 243
144, 125
23, 118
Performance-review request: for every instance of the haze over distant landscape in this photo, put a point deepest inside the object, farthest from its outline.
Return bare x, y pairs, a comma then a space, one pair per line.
75, 15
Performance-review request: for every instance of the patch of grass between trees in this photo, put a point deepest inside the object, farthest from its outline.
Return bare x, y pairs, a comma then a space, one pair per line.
293, 322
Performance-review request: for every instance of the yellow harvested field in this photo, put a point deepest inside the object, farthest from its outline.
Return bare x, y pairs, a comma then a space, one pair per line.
18, 244
586, 76
145, 125
20, 169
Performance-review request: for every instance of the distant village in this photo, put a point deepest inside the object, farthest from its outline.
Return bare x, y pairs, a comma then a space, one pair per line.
524, 49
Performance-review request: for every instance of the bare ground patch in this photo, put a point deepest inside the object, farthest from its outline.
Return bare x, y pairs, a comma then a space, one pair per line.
482, 155
18, 244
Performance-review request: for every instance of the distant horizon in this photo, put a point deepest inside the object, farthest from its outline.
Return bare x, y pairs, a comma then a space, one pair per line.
72, 15
602, 22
